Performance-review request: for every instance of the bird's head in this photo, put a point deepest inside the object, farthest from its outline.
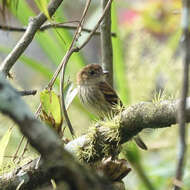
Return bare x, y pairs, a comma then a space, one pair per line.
91, 74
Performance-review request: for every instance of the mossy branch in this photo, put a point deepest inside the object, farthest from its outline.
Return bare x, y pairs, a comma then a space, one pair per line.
105, 137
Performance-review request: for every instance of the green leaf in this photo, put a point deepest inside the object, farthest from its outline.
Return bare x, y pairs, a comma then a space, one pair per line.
51, 109
3, 144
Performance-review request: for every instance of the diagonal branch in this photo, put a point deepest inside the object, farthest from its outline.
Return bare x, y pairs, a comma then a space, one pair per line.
77, 49
64, 63
26, 39
95, 27
57, 163
71, 50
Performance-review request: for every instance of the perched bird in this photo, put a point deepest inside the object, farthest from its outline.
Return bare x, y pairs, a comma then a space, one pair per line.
97, 95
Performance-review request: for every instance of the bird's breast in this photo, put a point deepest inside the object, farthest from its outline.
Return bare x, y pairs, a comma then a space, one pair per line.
93, 99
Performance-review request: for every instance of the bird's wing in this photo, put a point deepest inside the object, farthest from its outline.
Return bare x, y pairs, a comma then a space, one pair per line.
109, 93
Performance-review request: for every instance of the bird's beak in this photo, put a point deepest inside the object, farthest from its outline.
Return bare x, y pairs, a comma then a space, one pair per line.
105, 73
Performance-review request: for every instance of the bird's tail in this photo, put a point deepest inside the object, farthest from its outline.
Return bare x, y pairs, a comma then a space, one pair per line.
140, 142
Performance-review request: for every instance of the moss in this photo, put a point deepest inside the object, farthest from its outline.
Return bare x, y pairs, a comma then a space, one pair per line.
111, 129
103, 141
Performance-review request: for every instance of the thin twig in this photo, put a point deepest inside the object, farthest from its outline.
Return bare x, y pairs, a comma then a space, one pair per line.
64, 63
95, 27
106, 44
63, 108
182, 106
76, 49
81, 23
17, 149
24, 150
37, 113
71, 50
49, 26
8, 156
28, 36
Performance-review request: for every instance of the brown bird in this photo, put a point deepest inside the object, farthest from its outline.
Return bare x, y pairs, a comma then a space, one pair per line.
97, 95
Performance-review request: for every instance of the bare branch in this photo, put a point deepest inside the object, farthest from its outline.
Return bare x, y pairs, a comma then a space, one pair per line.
96, 26
17, 149
182, 115
64, 63
77, 49
27, 92
63, 108
106, 44
27, 38
49, 26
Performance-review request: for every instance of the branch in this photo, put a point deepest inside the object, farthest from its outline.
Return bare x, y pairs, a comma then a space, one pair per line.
181, 115
124, 127
13, 106
64, 63
95, 27
61, 90
28, 36
49, 26
27, 92
57, 163
106, 44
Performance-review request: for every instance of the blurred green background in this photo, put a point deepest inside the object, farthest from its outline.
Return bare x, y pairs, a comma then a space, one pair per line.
147, 67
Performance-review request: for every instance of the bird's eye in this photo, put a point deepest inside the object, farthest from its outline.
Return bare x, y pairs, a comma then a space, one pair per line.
92, 72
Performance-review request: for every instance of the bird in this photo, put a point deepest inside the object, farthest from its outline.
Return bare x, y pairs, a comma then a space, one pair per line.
98, 96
